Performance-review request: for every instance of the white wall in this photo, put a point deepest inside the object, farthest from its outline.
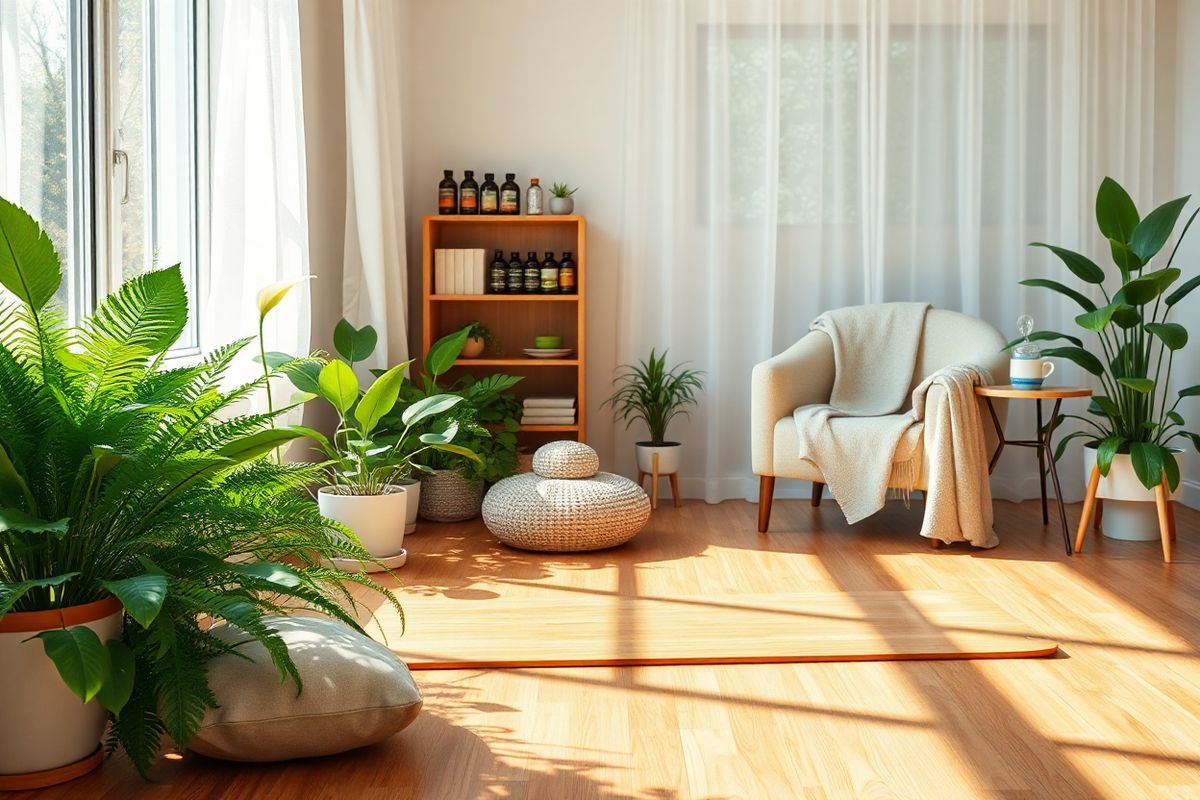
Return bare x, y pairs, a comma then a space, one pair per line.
534, 88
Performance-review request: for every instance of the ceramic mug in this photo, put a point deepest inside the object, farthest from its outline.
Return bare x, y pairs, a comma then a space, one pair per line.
1028, 373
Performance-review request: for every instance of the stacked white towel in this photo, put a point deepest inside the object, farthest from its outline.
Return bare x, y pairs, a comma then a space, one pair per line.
548, 411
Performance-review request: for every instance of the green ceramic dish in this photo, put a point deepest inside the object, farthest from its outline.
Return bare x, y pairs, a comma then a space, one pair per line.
548, 342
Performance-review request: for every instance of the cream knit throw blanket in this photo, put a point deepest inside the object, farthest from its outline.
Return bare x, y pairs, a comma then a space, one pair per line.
867, 426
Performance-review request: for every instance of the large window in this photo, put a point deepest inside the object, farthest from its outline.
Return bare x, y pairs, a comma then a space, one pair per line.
99, 116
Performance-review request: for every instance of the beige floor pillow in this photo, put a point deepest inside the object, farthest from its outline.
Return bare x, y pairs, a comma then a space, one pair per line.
356, 692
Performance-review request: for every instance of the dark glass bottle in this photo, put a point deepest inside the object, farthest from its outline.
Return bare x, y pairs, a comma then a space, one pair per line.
567, 274
510, 195
549, 274
516, 274
447, 193
468, 194
489, 194
533, 274
498, 274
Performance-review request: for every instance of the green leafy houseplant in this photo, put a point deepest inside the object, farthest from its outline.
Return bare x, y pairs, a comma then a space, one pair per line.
1137, 341
477, 330
361, 461
562, 190
486, 420
121, 476
654, 394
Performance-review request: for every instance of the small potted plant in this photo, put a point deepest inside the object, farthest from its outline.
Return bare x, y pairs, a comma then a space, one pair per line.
655, 395
367, 475
562, 200
1133, 430
480, 339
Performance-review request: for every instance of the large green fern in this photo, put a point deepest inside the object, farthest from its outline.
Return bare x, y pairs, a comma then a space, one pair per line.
122, 477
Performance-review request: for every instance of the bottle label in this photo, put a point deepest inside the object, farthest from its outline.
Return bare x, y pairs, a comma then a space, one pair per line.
566, 279
508, 201
446, 198
468, 199
533, 279
499, 279
549, 279
487, 201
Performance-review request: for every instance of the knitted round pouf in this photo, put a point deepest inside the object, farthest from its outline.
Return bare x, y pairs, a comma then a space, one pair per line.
591, 512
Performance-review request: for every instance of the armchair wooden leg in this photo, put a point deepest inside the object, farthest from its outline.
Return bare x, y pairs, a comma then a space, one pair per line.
766, 493
935, 543
817, 489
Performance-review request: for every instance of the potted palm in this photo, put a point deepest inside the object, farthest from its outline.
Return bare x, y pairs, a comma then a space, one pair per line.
137, 505
1133, 430
369, 478
654, 394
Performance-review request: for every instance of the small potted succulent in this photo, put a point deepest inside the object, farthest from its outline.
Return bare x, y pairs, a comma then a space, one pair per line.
654, 394
480, 339
562, 200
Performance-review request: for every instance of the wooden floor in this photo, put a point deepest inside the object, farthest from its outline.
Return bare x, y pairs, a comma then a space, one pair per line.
1115, 715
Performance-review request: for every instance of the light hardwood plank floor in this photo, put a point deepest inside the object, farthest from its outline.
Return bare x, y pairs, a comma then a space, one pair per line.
1116, 715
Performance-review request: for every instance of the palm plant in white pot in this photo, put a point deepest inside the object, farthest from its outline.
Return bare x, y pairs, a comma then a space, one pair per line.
1134, 431
651, 393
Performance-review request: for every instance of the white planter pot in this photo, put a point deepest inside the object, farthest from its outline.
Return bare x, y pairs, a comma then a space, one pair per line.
412, 487
1130, 513
378, 520
562, 205
669, 456
46, 728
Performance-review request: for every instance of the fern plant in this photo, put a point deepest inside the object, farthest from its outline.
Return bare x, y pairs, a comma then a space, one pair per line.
122, 476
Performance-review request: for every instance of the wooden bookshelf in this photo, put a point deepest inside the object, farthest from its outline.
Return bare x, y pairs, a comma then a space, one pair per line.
515, 319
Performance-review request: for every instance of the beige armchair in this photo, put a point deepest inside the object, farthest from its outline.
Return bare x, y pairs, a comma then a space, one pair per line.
803, 375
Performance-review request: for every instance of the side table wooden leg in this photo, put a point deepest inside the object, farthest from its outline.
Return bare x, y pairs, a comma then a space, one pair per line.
1099, 514
1162, 499
654, 483
674, 477
1089, 503
641, 479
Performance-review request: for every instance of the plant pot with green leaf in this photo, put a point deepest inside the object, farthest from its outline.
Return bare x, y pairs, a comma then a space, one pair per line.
651, 393
1133, 431
485, 423
480, 339
562, 199
137, 506
368, 476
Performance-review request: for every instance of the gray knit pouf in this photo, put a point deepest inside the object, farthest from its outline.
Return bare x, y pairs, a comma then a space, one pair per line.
537, 511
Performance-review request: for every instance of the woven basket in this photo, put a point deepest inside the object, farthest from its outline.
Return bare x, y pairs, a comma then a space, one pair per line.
446, 496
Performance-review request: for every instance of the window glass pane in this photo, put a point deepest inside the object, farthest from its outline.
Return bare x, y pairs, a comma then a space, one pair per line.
43, 152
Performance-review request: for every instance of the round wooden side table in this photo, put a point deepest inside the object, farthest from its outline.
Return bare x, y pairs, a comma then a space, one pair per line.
1042, 443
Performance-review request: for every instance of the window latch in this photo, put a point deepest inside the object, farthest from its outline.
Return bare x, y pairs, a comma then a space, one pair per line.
121, 158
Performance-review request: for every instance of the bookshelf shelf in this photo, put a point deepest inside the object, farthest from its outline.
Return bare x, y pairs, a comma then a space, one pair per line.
515, 319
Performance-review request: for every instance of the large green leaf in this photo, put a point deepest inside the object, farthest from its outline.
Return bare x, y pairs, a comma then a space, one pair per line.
1171, 469
305, 375
1124, 257
338, 385
269, 571
445, 352
354, 344
118, 685
1152, 232
1105, 452
1044, 336
260, 443
1172, 334
1140, 385
1140, 291
142, 595
1116, 213
1098, 320
13, 488
1147, 458
1104, 406
1184, 290
380, 398
429, 407
1191, 391
80, 658
10, 593
1083, 300
29, 267
14, 519
1078, 355
457, 450
1083, 267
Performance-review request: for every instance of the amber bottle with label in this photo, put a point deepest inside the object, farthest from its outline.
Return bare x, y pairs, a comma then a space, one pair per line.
489, 195
468, 194
533, 274
516, 274
510, 195
447, 193
567, 274
498, 274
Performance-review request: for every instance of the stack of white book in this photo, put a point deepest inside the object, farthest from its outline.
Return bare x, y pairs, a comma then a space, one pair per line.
458, 271
548, 411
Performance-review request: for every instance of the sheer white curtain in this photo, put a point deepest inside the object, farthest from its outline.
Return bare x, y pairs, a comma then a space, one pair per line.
257, 227
375, 277
783, 158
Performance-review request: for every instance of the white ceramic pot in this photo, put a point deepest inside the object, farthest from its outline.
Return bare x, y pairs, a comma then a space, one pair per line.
473, 348
378, 520
1130, 513
562, 205
48, 735
412, 487
669, 455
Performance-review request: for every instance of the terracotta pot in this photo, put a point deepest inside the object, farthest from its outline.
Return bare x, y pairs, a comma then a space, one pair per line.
378, 520
1130, 513
48, 735
669, 456
473, 348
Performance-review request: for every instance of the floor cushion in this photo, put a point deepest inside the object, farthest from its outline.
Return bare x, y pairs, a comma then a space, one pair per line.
356, 692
